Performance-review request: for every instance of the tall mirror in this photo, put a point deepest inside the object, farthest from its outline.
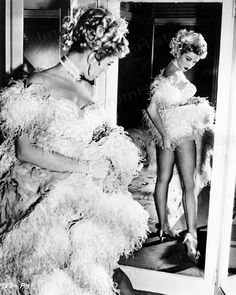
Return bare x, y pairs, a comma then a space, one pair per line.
151, 27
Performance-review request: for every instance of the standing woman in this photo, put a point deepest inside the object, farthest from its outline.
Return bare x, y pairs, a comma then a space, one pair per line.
66, 214
177, 120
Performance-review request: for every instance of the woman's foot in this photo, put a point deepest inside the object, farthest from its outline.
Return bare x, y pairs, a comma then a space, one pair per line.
166, 233
191, 248
124, 284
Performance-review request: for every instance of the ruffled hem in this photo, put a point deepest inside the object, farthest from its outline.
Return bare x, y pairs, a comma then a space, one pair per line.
152, 130
182, 123
76, 229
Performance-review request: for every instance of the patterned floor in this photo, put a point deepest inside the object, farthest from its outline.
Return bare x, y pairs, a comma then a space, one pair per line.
170, 256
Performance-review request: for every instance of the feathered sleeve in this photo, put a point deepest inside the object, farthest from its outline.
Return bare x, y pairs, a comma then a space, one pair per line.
24, 109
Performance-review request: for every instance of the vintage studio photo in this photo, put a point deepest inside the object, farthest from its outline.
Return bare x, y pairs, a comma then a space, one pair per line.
117, 147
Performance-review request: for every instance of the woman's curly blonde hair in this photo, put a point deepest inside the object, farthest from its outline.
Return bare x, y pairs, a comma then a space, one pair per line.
97, 30
188, 41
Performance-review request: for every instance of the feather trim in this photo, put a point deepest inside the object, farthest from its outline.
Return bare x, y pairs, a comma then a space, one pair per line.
24, 109
71, 228
58, 282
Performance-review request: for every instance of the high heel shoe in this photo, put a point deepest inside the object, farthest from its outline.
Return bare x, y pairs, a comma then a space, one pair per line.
191, 248
166, 236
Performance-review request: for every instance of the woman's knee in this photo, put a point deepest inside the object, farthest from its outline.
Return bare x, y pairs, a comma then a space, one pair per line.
189, 186
164, 179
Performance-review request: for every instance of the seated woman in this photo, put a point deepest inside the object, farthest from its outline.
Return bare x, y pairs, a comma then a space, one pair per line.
177, 120
66, 214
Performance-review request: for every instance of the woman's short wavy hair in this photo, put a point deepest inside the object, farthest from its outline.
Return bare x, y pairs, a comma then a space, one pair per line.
188, 41
97, 30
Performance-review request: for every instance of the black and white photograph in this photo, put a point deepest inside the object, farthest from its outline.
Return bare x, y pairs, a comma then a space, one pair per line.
117, 147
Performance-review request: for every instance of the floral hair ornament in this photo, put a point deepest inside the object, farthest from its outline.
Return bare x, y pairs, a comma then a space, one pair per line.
109, 34
190, 38
69, 24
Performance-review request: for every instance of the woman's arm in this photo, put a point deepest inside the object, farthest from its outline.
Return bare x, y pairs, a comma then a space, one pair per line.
29, 153
155, 117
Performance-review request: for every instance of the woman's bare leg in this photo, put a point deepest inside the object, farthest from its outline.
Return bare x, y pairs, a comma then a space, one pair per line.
165, 164
186, 160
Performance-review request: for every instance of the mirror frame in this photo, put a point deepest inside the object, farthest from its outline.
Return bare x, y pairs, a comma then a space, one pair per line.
227, 283
154, 281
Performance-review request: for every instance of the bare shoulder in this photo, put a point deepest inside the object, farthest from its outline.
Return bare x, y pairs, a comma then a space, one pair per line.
39, 78
53, 84
170, 72
35, 78
57, 86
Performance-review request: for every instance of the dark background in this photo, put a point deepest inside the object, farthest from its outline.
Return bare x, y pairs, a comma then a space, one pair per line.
151, 27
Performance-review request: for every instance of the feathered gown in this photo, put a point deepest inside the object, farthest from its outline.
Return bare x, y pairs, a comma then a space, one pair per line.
63, 233
182, 120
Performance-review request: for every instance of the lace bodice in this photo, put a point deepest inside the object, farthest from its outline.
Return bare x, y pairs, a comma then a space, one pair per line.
167, 93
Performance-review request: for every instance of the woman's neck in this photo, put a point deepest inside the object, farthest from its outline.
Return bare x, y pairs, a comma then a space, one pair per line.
175, 63
74, 65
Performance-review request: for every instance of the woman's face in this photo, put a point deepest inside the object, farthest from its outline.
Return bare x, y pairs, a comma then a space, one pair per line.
187, 60
96, 68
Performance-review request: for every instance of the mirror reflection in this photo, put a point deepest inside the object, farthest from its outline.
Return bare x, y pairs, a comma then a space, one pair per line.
172, 168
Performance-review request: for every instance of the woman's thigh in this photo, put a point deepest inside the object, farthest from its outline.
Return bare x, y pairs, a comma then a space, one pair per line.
186, 160
165, 163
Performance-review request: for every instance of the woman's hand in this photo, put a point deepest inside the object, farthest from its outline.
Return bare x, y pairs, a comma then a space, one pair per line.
28, 152
196, 100
167, 143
